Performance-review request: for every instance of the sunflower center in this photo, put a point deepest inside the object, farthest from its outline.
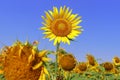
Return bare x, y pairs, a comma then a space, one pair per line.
61, 27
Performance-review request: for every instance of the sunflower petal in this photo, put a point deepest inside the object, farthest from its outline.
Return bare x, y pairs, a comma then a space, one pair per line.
45, 59
31, 58
55, 11
52, 37
76, 19
76, 27
70, 36
42, 76
42, 53
76, 23
48, 16
66, 12
73, 16
47, 32
37, 66
62, 10
55, 41
46, 71
69, 13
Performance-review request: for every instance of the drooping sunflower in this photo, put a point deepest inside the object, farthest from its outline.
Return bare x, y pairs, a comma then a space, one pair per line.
81, 67
91, 61
24, 62
61, 25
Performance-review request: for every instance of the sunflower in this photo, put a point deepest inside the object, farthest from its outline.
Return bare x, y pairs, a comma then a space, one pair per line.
67, 62
116, 61
81, 67
109, 67
61, 25
92, 63
24, 62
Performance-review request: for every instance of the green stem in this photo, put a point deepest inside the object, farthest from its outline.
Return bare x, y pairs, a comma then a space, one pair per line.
56, 63
68, 76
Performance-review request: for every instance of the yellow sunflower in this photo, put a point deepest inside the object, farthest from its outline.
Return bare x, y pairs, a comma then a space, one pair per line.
67, 62
61, 25
91, 61
23, 61
81, 67
109, 67
116, 61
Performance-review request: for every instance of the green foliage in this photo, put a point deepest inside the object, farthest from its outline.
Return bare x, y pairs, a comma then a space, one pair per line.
2, 77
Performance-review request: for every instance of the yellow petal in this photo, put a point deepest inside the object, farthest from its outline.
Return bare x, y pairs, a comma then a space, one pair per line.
47, 21
73, 16
48, 16
46, 71
62, 10
71, 36
42, 53
42, 77
63, 39
55, 11
76, 27
46, 25
33, 51
76, 23
66, 12
75, 32
69, 13
51, 13
37, 65
45, 59
66, 40
19, 51
31, 58
57, 40
48, 32
52, 37
47, 35
76, 19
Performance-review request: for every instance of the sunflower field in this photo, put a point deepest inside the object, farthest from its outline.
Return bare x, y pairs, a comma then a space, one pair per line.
25, 61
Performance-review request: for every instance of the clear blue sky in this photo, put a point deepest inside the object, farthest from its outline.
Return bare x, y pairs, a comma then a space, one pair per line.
21, 19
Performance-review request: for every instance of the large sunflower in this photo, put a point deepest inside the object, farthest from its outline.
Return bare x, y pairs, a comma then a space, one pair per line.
61, 25
23, 62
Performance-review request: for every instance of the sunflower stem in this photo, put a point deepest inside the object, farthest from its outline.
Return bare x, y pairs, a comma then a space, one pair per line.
56, 63
68, 76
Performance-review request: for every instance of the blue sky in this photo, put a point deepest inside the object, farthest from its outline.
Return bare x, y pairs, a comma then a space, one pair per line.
21, 19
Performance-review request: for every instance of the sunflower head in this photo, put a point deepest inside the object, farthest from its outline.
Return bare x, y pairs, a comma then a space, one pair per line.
23, 61
67, 62
116, 61
61, 25
91, 60
108, 66
81, 67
